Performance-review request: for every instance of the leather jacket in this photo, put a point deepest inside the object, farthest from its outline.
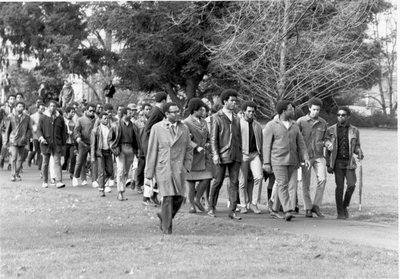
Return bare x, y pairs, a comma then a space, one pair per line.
226, 139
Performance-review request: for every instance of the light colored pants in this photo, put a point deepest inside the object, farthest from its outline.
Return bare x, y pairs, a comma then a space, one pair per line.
286, 179
248, 193
16, 158
319, 166
124, 162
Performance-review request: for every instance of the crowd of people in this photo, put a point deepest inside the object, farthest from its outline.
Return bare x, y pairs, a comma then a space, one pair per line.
170, 156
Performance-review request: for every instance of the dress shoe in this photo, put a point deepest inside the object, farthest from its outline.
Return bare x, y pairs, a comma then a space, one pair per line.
255, 209
309, 213
199, 206
211, 213
155, 200
159, 217
345, 213
315, 209
233, 216
192, 209
121, 197
102, 194
288, 216
277, 214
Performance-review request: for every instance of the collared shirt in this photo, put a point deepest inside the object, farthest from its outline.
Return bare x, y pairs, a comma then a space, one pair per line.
228, 113
343, 142
70, 124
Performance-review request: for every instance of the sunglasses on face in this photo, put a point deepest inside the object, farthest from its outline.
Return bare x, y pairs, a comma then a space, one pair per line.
341, 115
91, 110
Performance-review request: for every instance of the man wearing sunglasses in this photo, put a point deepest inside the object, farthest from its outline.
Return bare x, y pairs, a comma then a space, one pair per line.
82, 132
342, 141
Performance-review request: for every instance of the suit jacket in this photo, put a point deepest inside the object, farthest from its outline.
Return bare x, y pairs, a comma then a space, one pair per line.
282, 146
169, 158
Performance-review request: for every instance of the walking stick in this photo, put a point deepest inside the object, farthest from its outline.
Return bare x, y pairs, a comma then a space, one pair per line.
360, 186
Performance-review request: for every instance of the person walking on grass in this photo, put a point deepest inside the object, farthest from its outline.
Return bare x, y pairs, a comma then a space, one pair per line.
82, 132
201, 167
36, 144
18, 132
69, 150
124, 143
169, 159
100, 151
226, 146
282, 146
342, 141
52, 137
251, 132
313, 129
156, 115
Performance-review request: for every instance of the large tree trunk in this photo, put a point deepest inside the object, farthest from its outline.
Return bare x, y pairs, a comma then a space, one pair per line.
282, 68
191, 87
173, 95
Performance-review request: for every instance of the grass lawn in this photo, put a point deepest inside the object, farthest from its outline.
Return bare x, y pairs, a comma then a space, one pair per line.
73, 233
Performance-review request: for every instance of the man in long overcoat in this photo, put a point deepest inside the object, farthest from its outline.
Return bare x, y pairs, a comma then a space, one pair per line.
169, 158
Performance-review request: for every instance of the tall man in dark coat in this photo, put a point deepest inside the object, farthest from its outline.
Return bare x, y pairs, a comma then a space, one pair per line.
169, 159
226, 147
52, 137
156, 115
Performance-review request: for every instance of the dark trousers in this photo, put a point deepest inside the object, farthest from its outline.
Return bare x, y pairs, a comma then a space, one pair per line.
140, 171
69, 158
35, 151
83, 151
105, 168
169, 208
341, 172
233, 169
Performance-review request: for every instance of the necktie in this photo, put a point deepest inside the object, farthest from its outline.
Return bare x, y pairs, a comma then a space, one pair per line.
173, 131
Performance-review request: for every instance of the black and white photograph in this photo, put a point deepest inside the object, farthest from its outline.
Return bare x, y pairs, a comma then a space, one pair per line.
199, 139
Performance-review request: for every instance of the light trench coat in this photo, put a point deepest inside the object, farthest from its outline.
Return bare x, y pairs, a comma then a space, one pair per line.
169, 158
